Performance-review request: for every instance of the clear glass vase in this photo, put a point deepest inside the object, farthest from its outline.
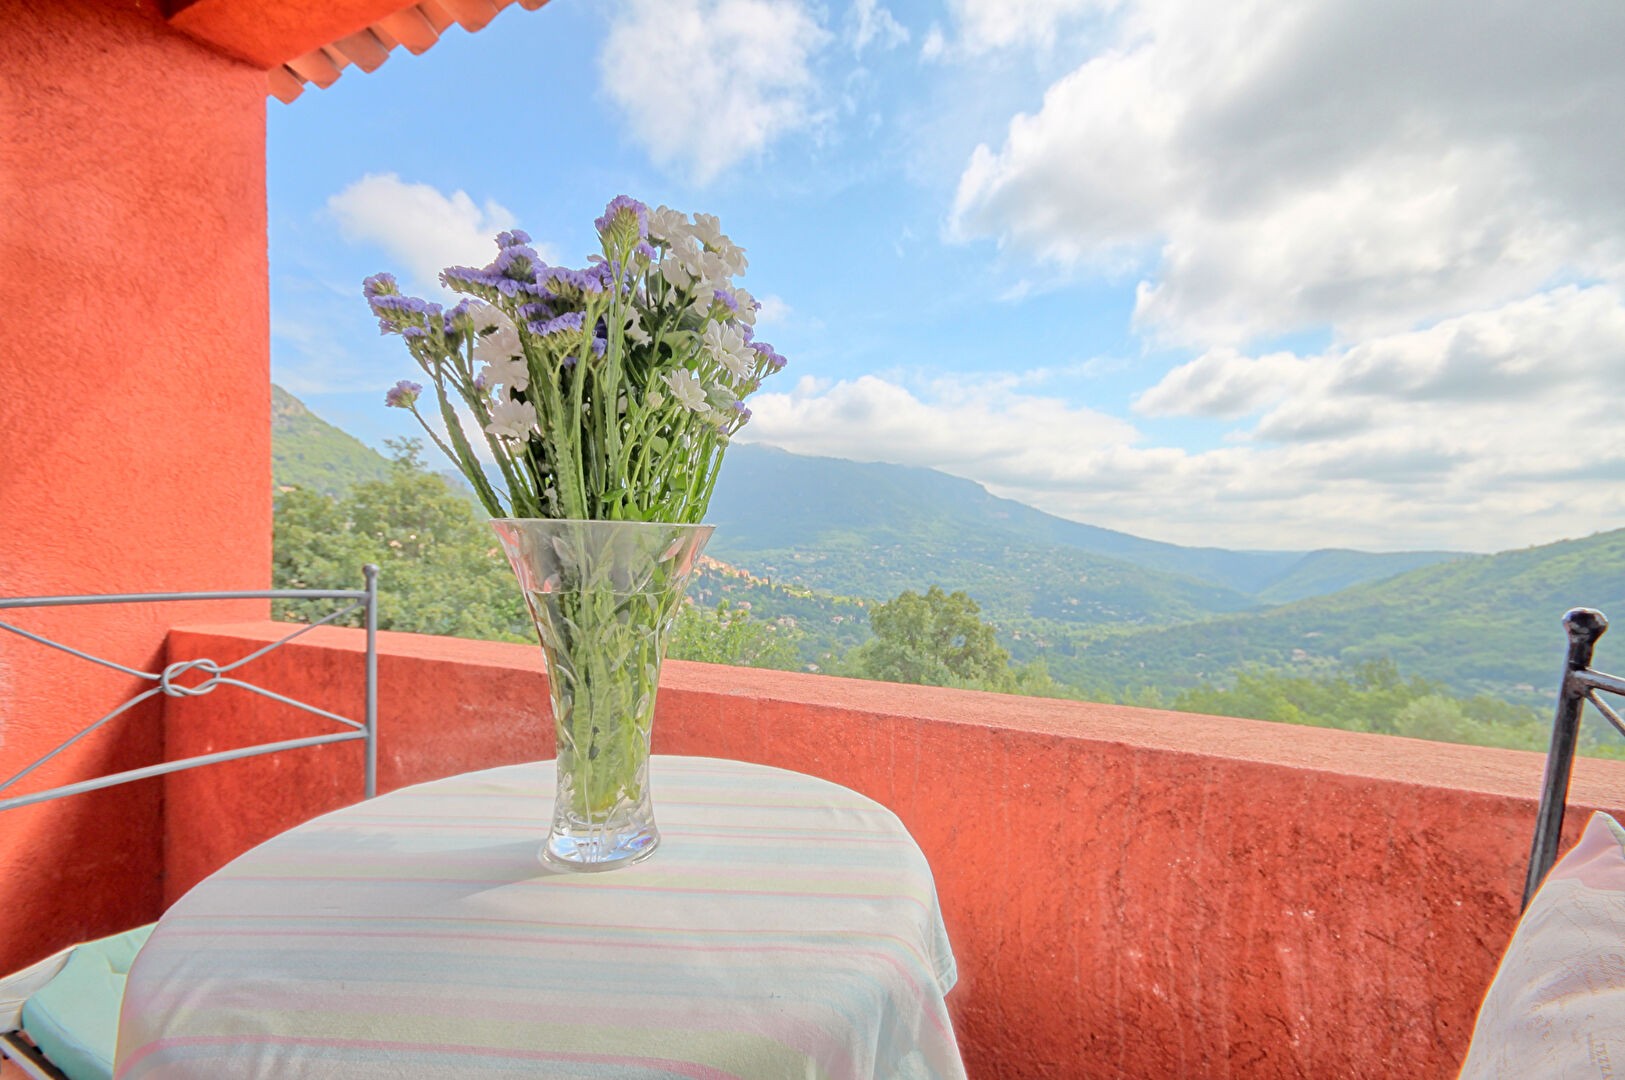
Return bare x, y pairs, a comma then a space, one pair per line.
603, 595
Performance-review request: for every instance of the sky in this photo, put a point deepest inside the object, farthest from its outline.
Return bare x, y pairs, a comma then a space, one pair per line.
1333, 273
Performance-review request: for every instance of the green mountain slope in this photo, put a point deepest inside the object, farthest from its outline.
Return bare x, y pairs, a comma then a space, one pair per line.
768, 500
816, 540
828, 625
310, 453
1479, 624
873, 530
775, 502
1009, 577
1332, 569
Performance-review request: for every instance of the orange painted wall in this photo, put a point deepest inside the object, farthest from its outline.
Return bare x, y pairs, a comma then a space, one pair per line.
134, 413
1130, 894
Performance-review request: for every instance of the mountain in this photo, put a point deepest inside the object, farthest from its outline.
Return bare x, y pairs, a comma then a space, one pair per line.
816, 515
1479, 624
308, 452
817, 540
1331, 569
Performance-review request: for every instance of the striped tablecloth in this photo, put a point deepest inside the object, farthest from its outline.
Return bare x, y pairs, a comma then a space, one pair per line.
786, 928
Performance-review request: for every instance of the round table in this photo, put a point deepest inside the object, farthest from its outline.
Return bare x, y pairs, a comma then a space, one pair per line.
786, 928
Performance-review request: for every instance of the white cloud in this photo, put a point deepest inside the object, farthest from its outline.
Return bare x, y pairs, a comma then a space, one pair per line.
1484, 432
868, 23
1566, 345
774, 311
985, 25
1364, 165
935, 45
705, 84
424, 228
956, 426
1223, 383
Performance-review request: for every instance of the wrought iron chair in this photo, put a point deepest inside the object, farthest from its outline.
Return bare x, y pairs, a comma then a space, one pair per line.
21, 993
1580, 684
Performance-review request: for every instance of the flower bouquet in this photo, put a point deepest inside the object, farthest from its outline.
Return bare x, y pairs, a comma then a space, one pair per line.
603, 398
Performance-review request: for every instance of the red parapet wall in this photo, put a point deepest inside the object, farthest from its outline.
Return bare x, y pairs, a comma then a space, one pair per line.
1130, 893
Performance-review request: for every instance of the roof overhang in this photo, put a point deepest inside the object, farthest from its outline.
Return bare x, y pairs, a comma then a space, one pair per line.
299, 42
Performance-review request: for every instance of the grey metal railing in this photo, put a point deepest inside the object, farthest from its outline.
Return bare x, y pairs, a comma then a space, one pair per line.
1580, 684
215, 675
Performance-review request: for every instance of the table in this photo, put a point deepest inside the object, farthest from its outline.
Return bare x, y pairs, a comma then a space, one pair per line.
786, 928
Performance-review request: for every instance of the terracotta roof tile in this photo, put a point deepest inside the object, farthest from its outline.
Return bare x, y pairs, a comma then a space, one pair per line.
437, 13
416, 27
317, 66
410, 28
472, 15
365, 49
285, 85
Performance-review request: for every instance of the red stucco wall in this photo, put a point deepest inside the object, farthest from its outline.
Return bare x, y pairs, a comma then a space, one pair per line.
1130, 894
134, 412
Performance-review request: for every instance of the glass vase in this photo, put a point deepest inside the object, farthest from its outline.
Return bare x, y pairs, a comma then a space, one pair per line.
603, 595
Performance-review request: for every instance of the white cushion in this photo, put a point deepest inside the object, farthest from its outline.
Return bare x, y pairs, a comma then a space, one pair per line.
1556, 1009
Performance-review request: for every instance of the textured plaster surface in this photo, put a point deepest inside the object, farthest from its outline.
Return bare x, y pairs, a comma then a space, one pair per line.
1130, 893
134, 416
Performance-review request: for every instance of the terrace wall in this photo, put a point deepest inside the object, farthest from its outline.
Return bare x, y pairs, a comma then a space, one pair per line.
1130, 893
134, 415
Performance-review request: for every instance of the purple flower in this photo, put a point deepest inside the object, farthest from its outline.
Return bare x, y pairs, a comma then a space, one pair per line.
518, 263
774, 361
397, 314
726, 300
563, 282
512, 239
568, 322
599, 346
403, 395
396, 304
379, 285
459, 320
465, 277
620, 209
741, 411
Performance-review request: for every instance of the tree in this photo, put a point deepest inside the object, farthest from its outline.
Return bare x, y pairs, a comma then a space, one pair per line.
1371, 697
442, 571
727, 634
935, 639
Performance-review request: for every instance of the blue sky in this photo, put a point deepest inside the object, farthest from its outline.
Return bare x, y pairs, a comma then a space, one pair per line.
1344, 274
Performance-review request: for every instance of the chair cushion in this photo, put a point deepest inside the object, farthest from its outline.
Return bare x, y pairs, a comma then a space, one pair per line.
1555, 1007
74, 1018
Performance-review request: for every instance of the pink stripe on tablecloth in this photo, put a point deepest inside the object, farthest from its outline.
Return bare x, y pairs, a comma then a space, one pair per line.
596, 885
682, 1068
914, 987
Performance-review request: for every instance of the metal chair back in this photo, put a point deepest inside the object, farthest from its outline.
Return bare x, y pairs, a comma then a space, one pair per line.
215, 675
1580, 684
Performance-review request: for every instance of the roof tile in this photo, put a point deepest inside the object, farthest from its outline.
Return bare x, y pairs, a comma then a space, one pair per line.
316, 66
417, 27
472, 15
411, 28
364, 49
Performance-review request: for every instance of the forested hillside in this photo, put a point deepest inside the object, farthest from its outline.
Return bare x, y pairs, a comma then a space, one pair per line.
1432, 644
